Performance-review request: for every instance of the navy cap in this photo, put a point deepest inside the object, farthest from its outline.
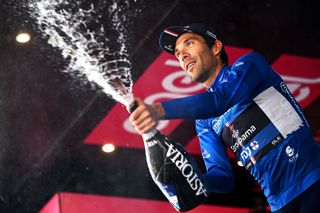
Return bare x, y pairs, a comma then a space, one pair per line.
169, 36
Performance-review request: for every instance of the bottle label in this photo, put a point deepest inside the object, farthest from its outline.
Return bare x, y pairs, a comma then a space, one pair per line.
187, 170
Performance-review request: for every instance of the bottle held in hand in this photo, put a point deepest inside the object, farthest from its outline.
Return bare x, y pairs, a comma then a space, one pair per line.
173, 170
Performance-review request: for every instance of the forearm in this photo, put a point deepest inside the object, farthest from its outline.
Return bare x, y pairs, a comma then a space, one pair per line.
203, 105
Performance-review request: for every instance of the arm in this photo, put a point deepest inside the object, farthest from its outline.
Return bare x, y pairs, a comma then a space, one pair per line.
219, 174
242, 83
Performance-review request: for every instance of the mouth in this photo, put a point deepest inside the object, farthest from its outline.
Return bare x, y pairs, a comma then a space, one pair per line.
189, 65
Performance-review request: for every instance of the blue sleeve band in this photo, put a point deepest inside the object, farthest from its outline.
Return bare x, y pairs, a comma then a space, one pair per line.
185, 107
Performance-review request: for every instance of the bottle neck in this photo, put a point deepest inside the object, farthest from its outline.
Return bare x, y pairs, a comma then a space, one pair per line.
146, 136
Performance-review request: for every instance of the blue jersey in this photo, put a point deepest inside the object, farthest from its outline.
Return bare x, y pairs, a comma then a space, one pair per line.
249, 109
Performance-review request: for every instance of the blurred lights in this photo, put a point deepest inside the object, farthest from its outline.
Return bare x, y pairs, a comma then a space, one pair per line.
23, 37
108, 148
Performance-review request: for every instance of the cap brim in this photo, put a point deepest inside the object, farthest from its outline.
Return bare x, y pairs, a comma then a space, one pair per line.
169, 36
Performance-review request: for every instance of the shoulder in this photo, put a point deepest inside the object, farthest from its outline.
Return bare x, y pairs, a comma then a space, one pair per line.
250, 58
203, 125
201, 122
254, 63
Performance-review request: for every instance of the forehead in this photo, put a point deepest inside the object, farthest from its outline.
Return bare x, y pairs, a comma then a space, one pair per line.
187, 36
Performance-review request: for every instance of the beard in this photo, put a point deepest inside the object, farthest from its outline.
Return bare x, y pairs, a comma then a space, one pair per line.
202, 73
201, 77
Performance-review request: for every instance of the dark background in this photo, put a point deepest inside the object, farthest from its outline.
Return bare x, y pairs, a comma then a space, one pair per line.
45, 114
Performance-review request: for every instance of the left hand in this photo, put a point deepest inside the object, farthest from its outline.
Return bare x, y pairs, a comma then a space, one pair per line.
145, 116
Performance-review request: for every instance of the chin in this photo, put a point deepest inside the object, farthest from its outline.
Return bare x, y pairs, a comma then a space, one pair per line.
197, 80
193, 78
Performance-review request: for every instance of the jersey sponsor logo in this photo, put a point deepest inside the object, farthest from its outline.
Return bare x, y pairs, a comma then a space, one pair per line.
246, 153
247, 134
216, 123
290, 152
278, 110
276, 140
284, 87
254, 145
249, 123
242, 138
186, 170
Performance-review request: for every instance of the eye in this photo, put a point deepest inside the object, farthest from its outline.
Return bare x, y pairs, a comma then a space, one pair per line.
189, 43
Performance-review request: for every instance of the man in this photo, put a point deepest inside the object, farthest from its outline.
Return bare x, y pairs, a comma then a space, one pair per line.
247, 108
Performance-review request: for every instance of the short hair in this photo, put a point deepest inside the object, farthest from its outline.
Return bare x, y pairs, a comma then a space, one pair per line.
210, 42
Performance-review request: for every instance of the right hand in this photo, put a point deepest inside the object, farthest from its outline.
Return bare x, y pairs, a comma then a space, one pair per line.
145, 116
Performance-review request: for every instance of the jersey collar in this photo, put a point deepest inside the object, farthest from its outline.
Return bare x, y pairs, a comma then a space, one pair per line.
220, 78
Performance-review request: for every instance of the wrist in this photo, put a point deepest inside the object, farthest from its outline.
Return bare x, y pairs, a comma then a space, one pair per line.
159, 110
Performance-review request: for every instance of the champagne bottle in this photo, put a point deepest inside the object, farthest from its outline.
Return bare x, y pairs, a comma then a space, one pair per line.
173, 170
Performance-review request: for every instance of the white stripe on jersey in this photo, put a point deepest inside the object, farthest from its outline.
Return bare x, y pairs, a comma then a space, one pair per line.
279, 111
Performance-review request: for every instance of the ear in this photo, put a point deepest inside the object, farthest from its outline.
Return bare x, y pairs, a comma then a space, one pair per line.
217, 47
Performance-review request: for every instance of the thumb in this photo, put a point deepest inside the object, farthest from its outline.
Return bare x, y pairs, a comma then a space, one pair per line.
138, 101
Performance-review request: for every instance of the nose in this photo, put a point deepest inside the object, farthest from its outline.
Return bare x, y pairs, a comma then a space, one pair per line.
184, 55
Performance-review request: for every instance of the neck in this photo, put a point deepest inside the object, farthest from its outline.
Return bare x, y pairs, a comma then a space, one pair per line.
213, 77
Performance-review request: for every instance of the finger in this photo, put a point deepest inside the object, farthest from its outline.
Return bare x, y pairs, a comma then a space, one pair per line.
146, 129
139, 115
134, 105
136, 113
139, 101
143, 119
145, 126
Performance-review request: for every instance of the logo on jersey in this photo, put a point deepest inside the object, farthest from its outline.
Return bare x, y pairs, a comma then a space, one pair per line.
233, 131
245, 154
205, 154
240, 139
216, 123
254, 145
239, 63
284, 87
290, 152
